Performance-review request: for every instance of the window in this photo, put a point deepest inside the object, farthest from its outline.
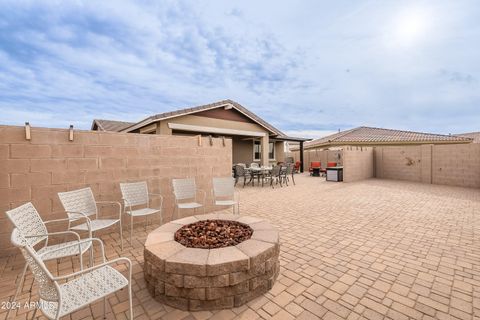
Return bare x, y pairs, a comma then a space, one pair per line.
257, 150
271, 151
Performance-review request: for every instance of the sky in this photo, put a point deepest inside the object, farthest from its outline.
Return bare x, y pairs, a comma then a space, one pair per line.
309, 68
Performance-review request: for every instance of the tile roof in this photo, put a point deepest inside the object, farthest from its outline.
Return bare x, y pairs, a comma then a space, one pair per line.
370, 135
473, 135
110, 125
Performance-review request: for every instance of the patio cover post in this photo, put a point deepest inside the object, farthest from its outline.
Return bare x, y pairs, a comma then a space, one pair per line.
301, 156
265, 157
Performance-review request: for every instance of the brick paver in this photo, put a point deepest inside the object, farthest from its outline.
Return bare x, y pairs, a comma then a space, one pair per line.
367, 250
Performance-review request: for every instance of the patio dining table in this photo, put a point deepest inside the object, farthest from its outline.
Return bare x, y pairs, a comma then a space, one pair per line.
257, 172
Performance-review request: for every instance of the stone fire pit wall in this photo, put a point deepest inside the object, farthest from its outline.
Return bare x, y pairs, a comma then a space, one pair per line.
206, 279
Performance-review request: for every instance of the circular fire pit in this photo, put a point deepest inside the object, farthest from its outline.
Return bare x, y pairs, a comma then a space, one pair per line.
211, 261
210, 234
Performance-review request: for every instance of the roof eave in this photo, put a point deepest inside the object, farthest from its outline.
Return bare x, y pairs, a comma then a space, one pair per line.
295, 139
363, 143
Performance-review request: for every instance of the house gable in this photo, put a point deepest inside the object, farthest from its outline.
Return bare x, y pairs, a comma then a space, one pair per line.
225, 114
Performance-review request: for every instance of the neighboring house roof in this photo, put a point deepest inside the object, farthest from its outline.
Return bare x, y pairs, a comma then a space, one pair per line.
472, 135
110, 125
182, 112
372, 136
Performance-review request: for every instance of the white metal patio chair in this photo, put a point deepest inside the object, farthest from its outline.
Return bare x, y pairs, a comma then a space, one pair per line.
224, 193
185, 191
62, 295
30, 226
81, 203
134, 195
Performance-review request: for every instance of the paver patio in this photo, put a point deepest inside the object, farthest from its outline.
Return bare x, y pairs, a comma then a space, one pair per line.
372, 249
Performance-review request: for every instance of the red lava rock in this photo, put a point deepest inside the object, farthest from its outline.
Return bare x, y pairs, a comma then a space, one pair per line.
210, 234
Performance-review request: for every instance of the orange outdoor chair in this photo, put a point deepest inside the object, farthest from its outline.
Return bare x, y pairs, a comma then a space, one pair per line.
296, 168
314, 164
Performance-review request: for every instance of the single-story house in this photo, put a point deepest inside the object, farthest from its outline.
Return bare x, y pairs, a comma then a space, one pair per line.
253, 139
369, 136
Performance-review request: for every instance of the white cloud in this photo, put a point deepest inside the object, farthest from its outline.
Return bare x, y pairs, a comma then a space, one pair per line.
309, 68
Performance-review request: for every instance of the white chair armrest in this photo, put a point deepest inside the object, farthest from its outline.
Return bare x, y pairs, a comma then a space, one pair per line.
56, 220
79, 243
105, 263
84, 216
53, 234
159, 196
112, 203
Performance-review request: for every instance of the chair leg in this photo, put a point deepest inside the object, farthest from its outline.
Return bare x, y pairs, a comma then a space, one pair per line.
19, 288
90, 262
121, 233
130, 307
80, 256
105, 307
145, 224
131, 229
293, 180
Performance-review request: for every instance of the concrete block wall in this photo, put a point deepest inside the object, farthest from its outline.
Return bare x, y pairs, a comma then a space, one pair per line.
38, 169
357, 163
454, 165
399, 163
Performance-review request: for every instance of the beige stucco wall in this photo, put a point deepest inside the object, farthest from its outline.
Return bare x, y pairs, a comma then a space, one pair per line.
37, 170
243, 152
242, 149
216, 123
357, 163
279, 151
